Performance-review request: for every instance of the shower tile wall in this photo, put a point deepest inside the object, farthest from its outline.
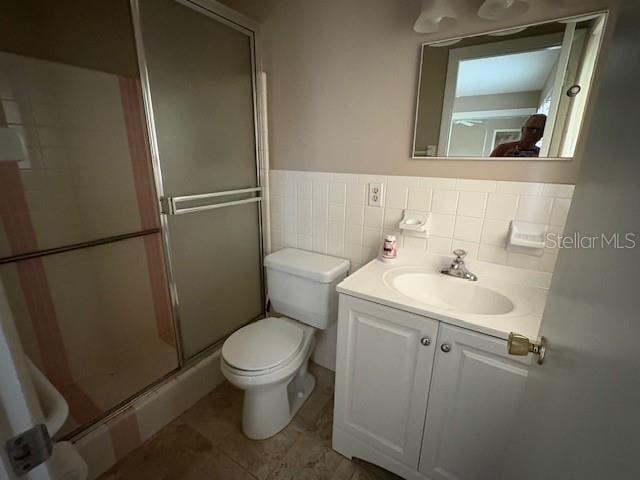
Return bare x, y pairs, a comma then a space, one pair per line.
96, 321
77, 174
327, 213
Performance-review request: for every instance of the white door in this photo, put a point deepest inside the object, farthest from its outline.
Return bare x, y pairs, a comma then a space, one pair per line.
581, 414
19, 406
384, 363
476, 390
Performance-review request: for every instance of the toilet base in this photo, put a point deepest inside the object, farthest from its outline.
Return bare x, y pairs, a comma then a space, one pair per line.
266, 412
299, 395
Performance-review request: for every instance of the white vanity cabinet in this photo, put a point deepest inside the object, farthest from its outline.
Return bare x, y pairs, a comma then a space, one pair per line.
384, 363
476, 389
439, 411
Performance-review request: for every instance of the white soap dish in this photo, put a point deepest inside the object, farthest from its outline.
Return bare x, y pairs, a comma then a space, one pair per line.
414, 221
527, 236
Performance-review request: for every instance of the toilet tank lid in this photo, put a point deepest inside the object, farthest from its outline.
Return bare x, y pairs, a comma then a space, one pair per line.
314, 266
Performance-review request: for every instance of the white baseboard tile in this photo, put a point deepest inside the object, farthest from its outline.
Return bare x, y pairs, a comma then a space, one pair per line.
151, 412
96, 450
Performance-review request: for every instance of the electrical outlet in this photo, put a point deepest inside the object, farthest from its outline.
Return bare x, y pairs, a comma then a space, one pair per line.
375, 194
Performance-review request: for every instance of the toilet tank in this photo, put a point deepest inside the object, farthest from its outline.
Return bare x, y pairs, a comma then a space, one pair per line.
302, 285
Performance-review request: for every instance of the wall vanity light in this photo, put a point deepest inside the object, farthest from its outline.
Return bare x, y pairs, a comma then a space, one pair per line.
436, 15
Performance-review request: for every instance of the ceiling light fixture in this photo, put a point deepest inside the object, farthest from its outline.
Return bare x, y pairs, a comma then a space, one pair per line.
502, 9
436, 15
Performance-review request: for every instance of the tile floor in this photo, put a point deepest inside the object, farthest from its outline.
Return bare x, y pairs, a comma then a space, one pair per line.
206, 442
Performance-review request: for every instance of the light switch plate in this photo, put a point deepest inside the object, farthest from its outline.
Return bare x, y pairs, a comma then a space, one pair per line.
375, 194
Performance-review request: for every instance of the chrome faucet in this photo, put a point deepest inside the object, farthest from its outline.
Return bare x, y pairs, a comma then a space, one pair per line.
458, 269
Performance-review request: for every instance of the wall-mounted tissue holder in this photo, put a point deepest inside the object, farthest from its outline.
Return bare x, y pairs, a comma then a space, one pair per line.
414, 223
527, 235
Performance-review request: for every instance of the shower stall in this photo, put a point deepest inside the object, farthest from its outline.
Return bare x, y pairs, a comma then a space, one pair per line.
130, 191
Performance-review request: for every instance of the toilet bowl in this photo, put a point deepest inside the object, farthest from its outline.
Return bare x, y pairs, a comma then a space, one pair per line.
268, 358
275, 384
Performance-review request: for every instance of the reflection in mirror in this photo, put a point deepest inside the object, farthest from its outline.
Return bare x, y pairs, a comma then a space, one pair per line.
520, 93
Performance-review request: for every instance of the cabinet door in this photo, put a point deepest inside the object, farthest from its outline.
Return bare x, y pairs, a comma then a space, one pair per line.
476, 389
382, 376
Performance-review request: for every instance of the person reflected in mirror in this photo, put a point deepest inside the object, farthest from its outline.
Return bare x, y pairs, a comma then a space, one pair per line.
532, 132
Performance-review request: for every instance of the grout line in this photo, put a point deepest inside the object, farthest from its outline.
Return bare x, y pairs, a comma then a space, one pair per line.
229, 457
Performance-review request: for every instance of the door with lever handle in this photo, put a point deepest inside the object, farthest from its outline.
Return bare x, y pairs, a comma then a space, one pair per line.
520, 345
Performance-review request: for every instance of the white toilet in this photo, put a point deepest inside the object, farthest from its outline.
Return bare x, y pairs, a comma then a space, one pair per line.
268, 358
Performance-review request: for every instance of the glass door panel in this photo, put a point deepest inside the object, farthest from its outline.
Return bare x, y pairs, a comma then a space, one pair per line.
96, 321
201, 78
80, 246
201, 89
217, 269
80, 167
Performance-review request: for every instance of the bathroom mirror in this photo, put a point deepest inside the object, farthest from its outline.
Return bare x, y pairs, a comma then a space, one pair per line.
519, 93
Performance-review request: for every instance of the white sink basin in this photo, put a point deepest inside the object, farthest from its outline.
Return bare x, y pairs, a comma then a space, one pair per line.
503, 300
448, 293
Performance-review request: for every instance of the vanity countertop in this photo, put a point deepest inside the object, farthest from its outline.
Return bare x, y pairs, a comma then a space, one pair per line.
526, 289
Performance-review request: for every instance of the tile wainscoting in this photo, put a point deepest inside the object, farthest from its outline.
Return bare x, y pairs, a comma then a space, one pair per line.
328, 213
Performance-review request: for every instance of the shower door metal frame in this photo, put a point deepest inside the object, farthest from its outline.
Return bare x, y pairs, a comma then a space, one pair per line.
168, 205
231, 18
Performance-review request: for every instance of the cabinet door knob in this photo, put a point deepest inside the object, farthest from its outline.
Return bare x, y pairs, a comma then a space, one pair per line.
426, 341
445, 347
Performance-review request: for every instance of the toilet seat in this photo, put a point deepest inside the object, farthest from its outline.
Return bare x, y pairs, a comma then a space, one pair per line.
263, 346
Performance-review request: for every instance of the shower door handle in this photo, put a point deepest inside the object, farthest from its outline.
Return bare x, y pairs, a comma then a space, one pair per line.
175, 205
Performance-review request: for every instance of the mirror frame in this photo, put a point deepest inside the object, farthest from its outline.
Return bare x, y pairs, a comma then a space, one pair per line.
443, 42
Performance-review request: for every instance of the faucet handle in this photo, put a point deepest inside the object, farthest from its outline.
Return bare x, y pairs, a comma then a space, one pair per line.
459, 253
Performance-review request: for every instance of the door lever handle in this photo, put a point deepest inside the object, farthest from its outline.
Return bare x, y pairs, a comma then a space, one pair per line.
521, 345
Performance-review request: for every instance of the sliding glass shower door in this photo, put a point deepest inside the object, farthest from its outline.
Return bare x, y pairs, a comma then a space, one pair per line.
81, 254
199, 73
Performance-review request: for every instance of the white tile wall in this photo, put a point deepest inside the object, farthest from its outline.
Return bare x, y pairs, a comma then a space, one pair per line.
327, 213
